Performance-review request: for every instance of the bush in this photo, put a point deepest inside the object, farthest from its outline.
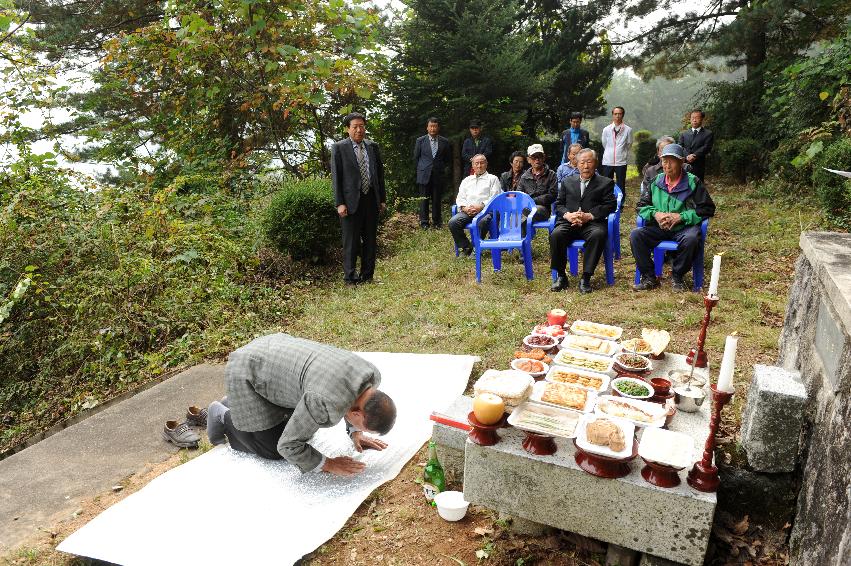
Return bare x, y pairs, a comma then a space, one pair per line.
302, 221
741, 158
645, 147
834, 191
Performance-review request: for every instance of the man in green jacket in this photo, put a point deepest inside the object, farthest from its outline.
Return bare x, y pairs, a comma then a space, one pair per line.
673, 209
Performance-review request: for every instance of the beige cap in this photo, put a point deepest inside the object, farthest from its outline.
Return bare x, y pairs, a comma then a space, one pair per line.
534, 148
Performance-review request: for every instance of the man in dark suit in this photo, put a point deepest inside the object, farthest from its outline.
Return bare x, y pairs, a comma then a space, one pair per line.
431, 157
583, 204
357, 177
574, 134
474, 145
697, 143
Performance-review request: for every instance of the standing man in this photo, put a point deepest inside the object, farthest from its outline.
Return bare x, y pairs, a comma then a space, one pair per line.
539, 182
357, 177
474, 145
282, 389
582, 208
574, 134
617, 141
431, 157
697, 143
475, 191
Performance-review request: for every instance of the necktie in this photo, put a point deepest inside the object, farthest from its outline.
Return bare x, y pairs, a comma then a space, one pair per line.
694, 131
364, 172
582, 185
433, 147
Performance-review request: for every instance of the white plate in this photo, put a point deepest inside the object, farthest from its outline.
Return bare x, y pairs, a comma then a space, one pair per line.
566, 418
656, 410
559, 359
628, 436
544, 326
667, 447
644, 384
617, 331
544, 348
612, 347
538, 392
604, 385
633, 369
532, 373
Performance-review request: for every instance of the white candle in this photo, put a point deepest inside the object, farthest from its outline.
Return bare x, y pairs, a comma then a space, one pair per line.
713, 280
728, 364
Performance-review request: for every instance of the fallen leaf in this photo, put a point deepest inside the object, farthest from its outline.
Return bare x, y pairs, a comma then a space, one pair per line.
483, 531
741, 527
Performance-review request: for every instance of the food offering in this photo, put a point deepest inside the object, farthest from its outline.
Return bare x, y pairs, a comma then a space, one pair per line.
564, 396
632, 362
534, 354
632, 388
543, 419
604, 331
554, 330
581, 360
488, 408
667, 447
612, 438
658, 340
637, 346
640, 413
511, 385
540, 341
590, 344
557, 316
534, 368
592, 380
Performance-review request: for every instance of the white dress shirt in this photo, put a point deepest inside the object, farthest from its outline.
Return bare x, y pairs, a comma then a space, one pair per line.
478, 189
616, 144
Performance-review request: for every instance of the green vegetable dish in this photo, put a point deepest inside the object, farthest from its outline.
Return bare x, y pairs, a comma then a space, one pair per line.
632, 388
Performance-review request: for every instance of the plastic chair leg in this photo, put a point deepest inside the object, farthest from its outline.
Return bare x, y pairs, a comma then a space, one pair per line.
658, 260
573, 259
609, 260
478, 264
637, 276
554, 274
496, 257
697, 270
527, 260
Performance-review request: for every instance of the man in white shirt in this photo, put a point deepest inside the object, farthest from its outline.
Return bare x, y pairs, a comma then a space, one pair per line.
617, 142
473, 193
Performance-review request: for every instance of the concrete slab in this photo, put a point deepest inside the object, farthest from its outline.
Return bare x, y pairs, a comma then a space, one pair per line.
91, 456
450, 440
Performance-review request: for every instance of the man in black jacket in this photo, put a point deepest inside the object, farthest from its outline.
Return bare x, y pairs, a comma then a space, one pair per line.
583, 205
539, 182
431, 157
574, 134
357, 177
474, 145
697, 143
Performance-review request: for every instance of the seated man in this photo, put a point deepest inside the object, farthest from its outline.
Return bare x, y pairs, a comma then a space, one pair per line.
473, 193
673, 208
569, 167
654, 166
539, 182
583, 205
282, 389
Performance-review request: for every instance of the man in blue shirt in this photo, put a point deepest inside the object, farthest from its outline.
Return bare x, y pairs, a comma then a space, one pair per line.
573, 135
569, 167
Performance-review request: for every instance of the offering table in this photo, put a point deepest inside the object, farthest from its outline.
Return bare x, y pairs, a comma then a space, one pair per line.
673, 523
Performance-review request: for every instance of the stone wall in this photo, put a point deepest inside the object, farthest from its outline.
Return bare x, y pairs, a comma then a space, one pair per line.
816, 340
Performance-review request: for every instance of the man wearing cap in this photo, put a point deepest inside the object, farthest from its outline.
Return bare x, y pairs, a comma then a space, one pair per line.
583, 205
617, 141
431, 157
539, 182
673, 209
473, 193
574, 134
474, 145
697, 143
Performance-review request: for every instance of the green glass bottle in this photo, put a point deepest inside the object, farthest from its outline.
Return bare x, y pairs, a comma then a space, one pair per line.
433, 479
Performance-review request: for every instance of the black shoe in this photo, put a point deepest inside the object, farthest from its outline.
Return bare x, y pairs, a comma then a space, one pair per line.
351, 281
424, 226
560, 284
646, 284
467, 251
677, 284
365, 280
584, 286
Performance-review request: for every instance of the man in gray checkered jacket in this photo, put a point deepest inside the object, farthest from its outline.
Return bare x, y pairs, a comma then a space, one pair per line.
282, 389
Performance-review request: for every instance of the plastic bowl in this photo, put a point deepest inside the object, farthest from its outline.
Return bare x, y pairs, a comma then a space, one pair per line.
543, 347
647, 365
451, 505
616, 382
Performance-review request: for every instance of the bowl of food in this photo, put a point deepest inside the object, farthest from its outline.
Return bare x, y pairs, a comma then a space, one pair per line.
535, 368
631, 388
540, 341
553, 330
451, 505
661, 386
633, 362
638, 346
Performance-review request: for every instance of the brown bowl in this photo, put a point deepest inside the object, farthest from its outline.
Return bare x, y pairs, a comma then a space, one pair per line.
661, 386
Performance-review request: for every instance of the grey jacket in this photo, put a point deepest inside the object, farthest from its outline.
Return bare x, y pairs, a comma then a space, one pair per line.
273, 376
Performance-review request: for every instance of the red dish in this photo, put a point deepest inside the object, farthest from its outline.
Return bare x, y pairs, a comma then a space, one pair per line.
485, 435
603, 466
660, 475
539, 444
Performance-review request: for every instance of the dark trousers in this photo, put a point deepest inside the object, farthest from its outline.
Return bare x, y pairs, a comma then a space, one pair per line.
644, 239
542, 213
698, 168
594, 234
263, 443
618, 173
359, 239
432, 192
460, 221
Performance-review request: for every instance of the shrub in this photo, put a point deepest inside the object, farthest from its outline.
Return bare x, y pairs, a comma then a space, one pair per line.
741, 158
645, 147
302, 221
834, 191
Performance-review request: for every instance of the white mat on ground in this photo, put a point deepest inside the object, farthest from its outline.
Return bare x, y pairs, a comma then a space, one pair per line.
225, 507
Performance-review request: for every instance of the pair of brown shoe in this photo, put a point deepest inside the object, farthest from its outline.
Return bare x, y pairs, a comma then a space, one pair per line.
179, 433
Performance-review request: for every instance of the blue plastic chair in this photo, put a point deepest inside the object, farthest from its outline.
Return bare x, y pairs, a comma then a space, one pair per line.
549, 223
505, 233
610, 251
670, 246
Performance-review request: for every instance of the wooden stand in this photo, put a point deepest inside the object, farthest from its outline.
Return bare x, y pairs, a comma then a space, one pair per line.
539, 444
603, 466
709, 303
660, 475
484, 435
704, 475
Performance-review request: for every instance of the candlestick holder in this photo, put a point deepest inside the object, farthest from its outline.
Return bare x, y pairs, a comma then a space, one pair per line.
704, 475
709, 303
